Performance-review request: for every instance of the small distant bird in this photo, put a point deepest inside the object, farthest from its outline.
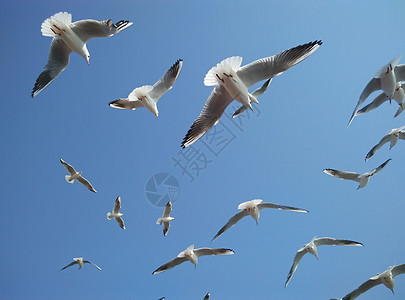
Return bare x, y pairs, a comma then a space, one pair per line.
68, 37
386, 278
360, 178
385, 79
79, 261
381, 98
76, 175
392, 137
232, 81
312, 248
255, 94
192, 255
147, 95
116, 213
207, 296
253, 209
166, 218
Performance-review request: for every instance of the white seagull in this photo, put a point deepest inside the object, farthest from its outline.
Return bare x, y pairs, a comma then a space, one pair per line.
381, 98
116, 213
386, 278
74, 175
362, 179
68, 37
312, 248
385, 79
255, 94
166, 218
232, 81
79, 261
252, 208
147, 95
392, 137
192, 255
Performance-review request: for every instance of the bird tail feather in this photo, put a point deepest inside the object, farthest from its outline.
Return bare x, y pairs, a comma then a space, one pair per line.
61, 20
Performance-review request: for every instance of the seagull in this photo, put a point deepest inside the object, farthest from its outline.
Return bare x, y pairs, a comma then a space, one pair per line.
252, 208
207, 296
255, 94
392, 137
385, 79
166, 218
147, 95
192, 255
381, 98
68, 37
360, 178
76, 175
116, 213
311, 248
80, 262
386, 278
232, 81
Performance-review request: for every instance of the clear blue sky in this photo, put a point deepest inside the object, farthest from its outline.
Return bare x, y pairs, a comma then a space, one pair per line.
277, 155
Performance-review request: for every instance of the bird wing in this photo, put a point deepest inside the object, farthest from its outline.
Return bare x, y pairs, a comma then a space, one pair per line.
68, 167
86, 184
377, 147
88, 29
362, 288
166, 226
166, 82
380, 99
232, 221
372, 86
89, 262
400, 269
256, 94
275, 65
170, 264
211, 113
401, 135
300, 253
343, 174
379, 168
168, 209
276, 206
120, 222
207, 296
400, 72
117, 205
212, 251
69, 265
337, 242
58, 60
125, 103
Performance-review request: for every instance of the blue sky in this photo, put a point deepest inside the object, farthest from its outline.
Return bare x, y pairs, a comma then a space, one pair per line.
276, 154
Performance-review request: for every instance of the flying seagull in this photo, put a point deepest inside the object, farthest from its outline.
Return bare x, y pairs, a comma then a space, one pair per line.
255, 94
76, 175
68, 37
192, 255
207, 296
116, 213
362, 179
147, 95
381, 98
79, 261
311, 248
392, 137
252, 208
385, 79
166, 218
386, 278
232, 81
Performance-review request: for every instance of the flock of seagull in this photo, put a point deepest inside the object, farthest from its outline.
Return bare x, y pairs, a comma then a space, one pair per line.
231, 81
